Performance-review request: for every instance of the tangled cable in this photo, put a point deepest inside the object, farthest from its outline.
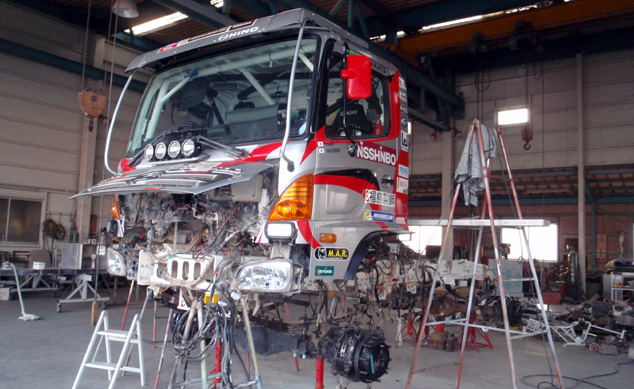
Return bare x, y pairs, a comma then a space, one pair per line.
218, 325
53, 230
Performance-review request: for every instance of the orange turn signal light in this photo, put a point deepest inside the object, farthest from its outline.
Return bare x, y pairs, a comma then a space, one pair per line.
328, 238
115, 209
296, 203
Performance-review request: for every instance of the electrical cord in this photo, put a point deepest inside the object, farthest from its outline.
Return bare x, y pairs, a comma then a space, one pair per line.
578, 381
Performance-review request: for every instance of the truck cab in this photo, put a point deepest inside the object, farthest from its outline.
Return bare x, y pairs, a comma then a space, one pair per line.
266, 155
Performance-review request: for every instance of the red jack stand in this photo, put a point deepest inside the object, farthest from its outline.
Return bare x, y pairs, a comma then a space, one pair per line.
410, 331
319, 374
218, 364
471, 336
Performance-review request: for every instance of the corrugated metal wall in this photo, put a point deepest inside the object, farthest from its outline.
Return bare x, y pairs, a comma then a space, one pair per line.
608, 85
41, 124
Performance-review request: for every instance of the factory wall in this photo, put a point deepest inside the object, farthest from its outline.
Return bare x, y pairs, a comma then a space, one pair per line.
41, 124
608, 112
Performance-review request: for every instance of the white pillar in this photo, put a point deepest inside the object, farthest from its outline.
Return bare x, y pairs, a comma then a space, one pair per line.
447, 183
86, 172
581, 179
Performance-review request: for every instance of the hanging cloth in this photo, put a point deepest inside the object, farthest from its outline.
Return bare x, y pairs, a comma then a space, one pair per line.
469, 170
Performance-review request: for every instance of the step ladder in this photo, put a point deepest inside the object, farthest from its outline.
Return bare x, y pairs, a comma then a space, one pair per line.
107, 335
475, 134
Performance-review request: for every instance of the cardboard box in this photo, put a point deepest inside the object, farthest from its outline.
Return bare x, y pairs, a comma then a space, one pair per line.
551, 298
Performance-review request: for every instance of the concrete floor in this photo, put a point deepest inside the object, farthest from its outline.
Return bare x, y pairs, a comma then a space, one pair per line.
47, 353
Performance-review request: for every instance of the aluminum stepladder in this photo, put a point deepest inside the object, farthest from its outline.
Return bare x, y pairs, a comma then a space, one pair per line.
479, 225
103, 332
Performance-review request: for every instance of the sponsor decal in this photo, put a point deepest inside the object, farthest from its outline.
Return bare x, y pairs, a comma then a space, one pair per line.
324, 271
374, 153
401, 83
199, 167
168, 47
380, 198
376, 216
403, 96
236, 33
207, 34
379, 68
404, 108
243, 24
402, 185
331, 253
403, 171
404, 141
321, 151
401, 220
404, 123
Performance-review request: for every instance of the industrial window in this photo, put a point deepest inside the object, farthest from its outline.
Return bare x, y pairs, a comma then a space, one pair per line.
510, 117
422, 237
541, 240
20, 221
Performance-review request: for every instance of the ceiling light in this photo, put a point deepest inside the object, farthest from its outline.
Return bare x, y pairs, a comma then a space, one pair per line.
156, 24
125, 9
217, 3
452, 22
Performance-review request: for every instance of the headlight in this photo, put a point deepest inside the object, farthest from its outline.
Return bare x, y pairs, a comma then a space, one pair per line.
266, 276
160, 150
149, 152
280, 231
189, 146
174, 149
116, 263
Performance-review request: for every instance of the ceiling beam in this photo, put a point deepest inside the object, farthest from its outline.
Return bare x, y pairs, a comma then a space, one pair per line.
568, 47
203, 13
255, 8
442, 11
502, 27
381, 10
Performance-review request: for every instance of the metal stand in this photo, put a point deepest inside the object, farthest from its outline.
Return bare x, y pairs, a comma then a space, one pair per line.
479, 224
82, 282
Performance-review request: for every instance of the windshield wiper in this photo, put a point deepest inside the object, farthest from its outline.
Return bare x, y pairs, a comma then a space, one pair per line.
233, 152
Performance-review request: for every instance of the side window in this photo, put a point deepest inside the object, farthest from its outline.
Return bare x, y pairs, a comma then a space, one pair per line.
367, 118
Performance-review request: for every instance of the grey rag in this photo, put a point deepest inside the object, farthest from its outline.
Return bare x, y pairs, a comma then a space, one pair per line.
469, 171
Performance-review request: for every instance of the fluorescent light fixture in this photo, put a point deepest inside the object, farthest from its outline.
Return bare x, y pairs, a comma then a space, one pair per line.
156, 24
217, 3
509, 117
453, 22
409, 127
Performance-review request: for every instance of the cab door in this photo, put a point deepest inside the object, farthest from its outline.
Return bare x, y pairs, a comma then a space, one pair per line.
355, 182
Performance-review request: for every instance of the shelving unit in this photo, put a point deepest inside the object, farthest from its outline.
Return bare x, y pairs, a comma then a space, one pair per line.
618, 293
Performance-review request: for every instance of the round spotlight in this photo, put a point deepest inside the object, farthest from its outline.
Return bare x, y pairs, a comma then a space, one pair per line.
174, 149
160, 150
189, 146
149, 152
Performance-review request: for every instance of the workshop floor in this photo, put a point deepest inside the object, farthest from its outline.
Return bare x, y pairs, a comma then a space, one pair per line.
46, 354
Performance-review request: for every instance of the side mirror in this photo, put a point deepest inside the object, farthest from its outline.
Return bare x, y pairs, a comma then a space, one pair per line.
358, 73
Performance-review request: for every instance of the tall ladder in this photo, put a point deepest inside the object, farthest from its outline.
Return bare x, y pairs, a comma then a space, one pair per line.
479, 225
104, 333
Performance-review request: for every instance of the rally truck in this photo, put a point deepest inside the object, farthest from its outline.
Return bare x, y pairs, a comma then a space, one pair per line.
267, 160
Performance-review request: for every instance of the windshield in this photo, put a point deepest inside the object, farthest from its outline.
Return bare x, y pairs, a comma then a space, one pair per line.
237, 97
